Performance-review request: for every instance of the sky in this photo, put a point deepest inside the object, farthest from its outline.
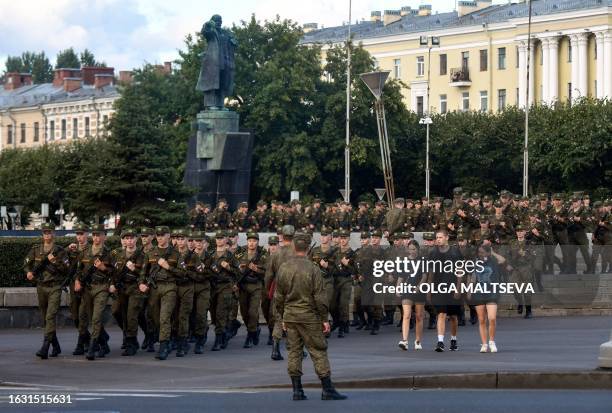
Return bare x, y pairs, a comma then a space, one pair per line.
127, 33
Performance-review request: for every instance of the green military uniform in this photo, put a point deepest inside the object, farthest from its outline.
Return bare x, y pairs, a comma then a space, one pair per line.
326, 254
76, 301
251, 284
201, 297
162, 298
557, 217
395, 219
130, 301
578, 219
602, 237
240, 218
521, 260
343, 277
49, 277
146, 320
266, 301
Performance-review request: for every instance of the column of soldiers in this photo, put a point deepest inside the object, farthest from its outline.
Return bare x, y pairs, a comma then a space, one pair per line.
166, 283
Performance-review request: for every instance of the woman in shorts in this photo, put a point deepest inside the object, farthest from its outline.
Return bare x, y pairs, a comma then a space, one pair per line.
486, 302
416, 299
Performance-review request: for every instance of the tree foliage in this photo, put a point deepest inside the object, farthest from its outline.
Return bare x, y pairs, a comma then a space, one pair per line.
31, 62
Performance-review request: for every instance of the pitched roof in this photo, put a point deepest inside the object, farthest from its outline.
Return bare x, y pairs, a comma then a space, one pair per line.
45, 93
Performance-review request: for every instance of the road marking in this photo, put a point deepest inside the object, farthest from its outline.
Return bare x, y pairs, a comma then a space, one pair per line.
152, 395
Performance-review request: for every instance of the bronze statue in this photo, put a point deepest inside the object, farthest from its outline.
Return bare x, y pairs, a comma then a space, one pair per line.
217, 72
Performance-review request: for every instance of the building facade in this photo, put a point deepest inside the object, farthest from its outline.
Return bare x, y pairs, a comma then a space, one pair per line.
77, 104
475, 58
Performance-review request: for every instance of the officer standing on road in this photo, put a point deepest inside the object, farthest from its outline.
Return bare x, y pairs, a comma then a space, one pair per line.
301, 303
46, 264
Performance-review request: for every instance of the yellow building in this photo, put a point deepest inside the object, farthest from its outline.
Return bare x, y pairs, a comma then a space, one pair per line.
77, 104
478, 59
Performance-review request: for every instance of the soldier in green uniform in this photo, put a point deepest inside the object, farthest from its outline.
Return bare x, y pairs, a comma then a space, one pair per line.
201, 293
240, 218
578, 219
130, 301
359, 319
323, 256
314, 216
266, 301
557, 217
94, 274
395, 218
603, 226
378, 216
76, 301
220, 218
301, 304
47, 265
159, 274
252, 264
521, 267
224, 270
236, 251
284, 253
344, 258
145, 319
260, 219
361, 220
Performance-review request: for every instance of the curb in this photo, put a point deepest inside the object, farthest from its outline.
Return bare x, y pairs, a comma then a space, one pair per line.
599, 379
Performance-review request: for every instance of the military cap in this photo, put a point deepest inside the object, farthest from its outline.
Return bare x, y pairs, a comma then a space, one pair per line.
460, 236
81, 227
447, 202
379, 203
575, 199
301, 240
206, 206
377, 233
409, 201
146, 231
409, 235
424, 199
335, 233
429, 236
487, 198
316, 201
128, 232
243, 205
175, 232
608, 202
484, 218
273, 240
294, 202
586, 196
47, 226
438, 199
161, 230
223, 200
497, 204
365, 235
261, 202
325, 231
279, 231
181, 232
232, 233
524, 198
363, 203
197, 235
457, 190
505, 193
521, 227
557, 196
543, 197
597, 204
220, 234
98, 228
288, 231
465, 195
475, 195
344, 233
252, 235
399, 201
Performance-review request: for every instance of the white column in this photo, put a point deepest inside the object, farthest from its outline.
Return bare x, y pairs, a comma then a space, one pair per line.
599, 40
583, 65
607, 68
545, 70
522, 74
532, 74
575, 65
553, 73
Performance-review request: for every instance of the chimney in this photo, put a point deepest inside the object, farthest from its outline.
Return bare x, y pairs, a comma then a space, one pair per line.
467, 7
391, 16
167, 67
61, 74
308, 27
72, 83
16, 80
425, 10
375, 16
406, 11
126, 76
103, 79
89, 73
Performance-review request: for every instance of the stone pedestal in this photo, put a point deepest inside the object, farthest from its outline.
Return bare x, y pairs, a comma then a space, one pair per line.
605, 354
219, 158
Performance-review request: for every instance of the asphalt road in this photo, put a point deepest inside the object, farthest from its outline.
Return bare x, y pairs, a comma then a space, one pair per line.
270, 401
547, 344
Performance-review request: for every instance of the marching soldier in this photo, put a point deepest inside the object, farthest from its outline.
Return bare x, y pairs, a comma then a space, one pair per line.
266, 302
260, 219
201, 292
323, 256
220, 218
359, 320
557, 217
240, 219
344, 258
146, 321
395, 218
47, 264
578, 219
76, 301
361, 220
96, 269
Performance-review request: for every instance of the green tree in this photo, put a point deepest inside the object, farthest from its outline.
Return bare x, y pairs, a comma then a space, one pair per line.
38, 65
13, 64
67, 59
87, 58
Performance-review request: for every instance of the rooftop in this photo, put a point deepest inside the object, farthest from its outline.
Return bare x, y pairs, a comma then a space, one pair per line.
46, 93
415, 24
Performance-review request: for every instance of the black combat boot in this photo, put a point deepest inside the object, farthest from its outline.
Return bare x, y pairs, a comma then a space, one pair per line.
355, 321
388, 320
329, 392
368, 325
91, 350
56, 350
145, 342
341, 329
124, 342
298, 390
104, 338
172, 345
433, 322
519, 309
86, 340
361, 322
152, 339
270, 339
43, 353
527, 311
375, 327
131, 346
218, 340
180, 346
163, 350
199, 345
225, 338
255, 337
247, 341
235, 326
276, 354
79, 350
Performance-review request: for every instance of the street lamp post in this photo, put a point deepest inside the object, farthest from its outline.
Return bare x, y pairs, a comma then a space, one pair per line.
430, 42
426, 121
347, 147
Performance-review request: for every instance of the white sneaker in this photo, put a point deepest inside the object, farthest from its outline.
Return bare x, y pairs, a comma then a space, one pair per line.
417, 345
403, 345
484, 348
492, 347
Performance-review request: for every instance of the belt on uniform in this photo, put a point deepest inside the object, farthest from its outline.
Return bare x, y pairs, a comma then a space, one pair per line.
165, 282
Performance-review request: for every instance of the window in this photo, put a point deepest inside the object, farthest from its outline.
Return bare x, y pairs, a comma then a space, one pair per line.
484, 60
501, 99
501, 58
420, 65
541, 55
105, 120
569, 92
443, 64
86, 125
595, 49
63, 128
397, 68
376, 66
9, 134
419, 105
465, 60
36, 132
484, 100
517, 96
23, 133
51, 130
465, 101
75, 128
443, 104
569, 51
517, 57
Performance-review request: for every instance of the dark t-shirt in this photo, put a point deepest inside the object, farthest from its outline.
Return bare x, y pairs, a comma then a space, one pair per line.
491, 273
440, 276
